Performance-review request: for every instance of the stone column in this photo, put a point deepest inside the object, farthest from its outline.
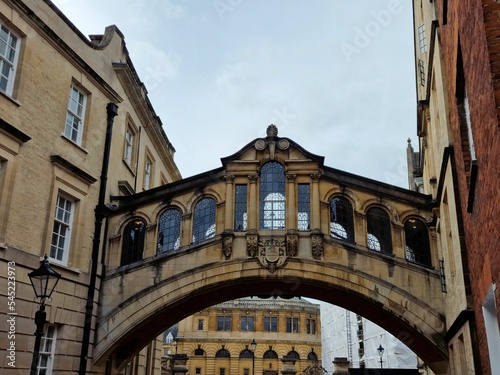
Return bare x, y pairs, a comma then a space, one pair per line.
340, 366
179, 364
290, 208
254, 203
315, 206
288, 366
229, 212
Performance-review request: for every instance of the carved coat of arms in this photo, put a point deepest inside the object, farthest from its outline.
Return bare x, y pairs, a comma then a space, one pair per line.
272, 254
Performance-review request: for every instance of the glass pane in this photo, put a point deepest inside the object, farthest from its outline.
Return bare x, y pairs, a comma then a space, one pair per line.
272, 196
204, 220
341, 219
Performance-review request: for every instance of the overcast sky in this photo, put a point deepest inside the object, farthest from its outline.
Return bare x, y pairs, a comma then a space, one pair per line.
337, 77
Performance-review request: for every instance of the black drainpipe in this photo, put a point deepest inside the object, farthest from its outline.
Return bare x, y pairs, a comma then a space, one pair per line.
100, 214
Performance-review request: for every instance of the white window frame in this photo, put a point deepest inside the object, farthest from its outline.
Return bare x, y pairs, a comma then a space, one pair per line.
63, 219
422, 44
472, 149
47, 350
13, 44
76, 112
148, 173
128, 152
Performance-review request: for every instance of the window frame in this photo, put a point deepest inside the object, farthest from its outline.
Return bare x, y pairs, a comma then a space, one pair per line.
270, 323
48, 354
247, 323
311, 326
342, 215
292, 325
172, 225
272, 201
149, 164
204, 220
4, 60
422, 43
224, 323
69, 128
65, 249
303, 206
129, 256
240, 207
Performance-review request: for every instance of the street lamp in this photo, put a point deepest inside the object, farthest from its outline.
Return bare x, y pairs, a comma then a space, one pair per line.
253, 345
380, 353
44, 281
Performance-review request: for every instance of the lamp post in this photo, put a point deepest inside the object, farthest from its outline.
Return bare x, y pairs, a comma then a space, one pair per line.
380, 353
253, 345
44, 280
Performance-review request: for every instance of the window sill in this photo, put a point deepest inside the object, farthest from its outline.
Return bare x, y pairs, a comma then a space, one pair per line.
73, 143
129, 167
10, 98
54, 263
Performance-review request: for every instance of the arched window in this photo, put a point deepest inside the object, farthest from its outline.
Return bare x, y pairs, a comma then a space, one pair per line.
272, 196
169, 231
312, 356
246, 354
341, 219
293, 354
379, 230
418, 248
133, 242
270, 354
204, 220
199, 351
222, 353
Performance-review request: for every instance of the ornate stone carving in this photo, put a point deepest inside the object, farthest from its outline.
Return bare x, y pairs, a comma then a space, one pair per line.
253, 178
272, 254
260, 144
292, 243
272, 131
291, 177
227, 243
283, 144
252, 244
317, 245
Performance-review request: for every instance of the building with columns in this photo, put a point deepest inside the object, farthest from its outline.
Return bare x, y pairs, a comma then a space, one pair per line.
250, 336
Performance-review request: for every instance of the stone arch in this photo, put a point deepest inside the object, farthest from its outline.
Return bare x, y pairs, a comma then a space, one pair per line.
207, 193
174, 203
127, 217
398, 311
348, 193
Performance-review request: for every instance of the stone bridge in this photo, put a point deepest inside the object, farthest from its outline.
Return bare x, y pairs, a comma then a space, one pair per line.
272, 221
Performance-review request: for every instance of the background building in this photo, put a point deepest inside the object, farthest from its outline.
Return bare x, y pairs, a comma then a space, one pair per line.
56, 87
349, 335
218, 340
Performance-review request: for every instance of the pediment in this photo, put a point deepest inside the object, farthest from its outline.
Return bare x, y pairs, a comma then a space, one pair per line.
272, 147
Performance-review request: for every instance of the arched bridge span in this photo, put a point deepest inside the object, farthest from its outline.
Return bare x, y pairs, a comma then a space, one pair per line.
272, 221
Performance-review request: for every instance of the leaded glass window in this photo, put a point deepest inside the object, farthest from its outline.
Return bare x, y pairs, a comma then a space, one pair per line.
341, 219
270, 324
418, 248
169, 231
240, 208
223, 323
204, 220
304, 202
270, 354
379, 230
133, 242
272, 196
247, 323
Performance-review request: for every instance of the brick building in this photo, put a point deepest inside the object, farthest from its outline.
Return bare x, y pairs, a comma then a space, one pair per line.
458, 71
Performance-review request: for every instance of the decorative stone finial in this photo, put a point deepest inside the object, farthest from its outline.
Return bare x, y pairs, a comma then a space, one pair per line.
272, 130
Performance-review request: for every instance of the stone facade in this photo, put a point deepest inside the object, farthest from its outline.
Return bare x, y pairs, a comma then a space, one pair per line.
204, 338
53, 124
459, 143
203, 244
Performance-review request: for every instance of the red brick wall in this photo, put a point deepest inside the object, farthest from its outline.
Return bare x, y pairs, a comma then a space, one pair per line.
476, 24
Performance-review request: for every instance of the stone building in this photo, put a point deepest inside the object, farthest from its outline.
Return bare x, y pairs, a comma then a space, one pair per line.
457, 70
60, 92
218, 340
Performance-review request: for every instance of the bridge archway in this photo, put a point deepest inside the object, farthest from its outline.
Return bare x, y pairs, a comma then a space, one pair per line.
140, 299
